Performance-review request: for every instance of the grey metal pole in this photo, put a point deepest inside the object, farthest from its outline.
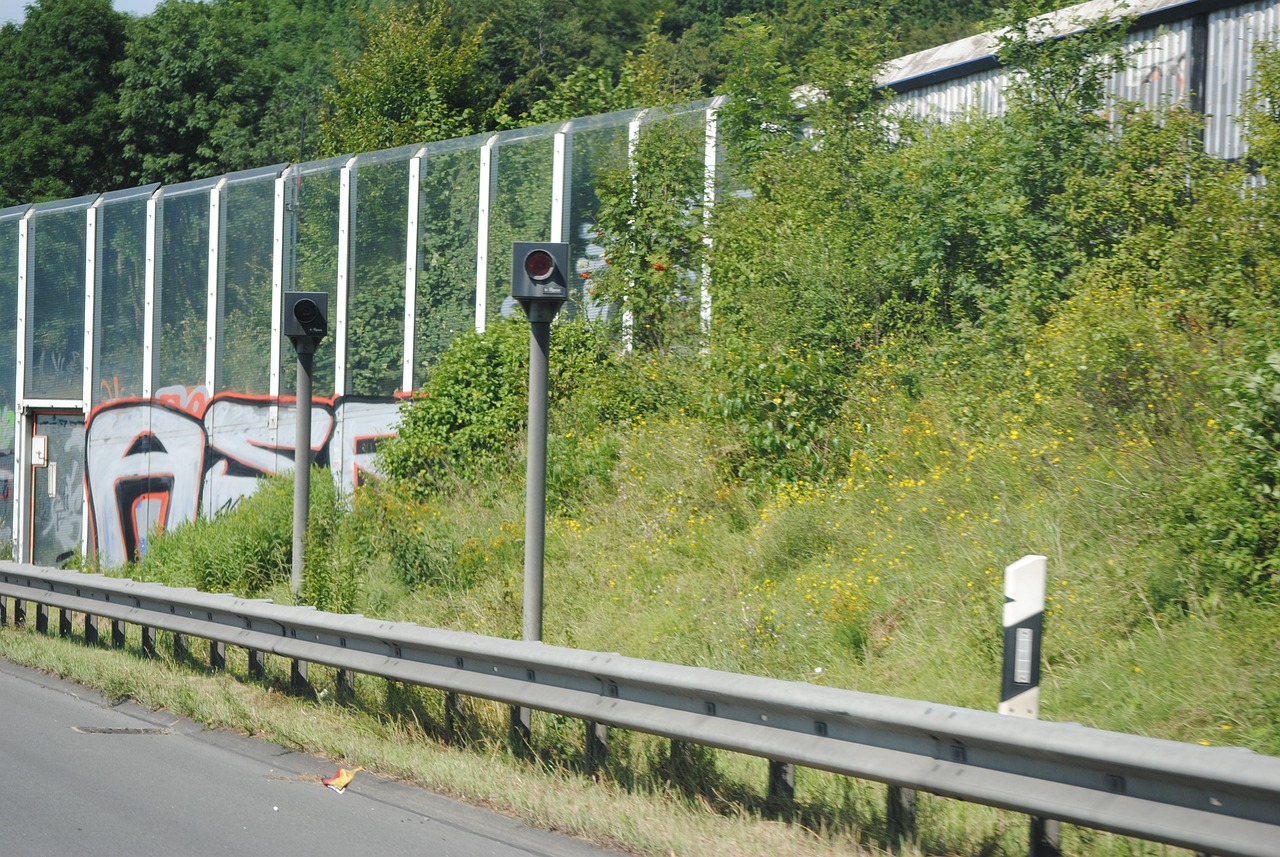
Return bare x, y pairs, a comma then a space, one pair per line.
535, 515
535, 523
539, 282
302, 460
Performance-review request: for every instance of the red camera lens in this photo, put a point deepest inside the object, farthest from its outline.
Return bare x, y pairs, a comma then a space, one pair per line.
539, 265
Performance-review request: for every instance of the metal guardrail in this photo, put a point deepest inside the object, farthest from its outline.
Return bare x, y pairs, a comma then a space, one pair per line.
1215, 800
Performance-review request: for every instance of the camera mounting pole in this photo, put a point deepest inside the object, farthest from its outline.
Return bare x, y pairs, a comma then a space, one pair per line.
306, 322
539, 282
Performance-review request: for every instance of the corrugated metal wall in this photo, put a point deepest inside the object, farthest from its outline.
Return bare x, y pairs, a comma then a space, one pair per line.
1161, 69
983, 92
1232, 36
1160, 74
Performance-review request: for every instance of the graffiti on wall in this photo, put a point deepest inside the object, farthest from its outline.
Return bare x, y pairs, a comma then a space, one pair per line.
1161, 77
151, 464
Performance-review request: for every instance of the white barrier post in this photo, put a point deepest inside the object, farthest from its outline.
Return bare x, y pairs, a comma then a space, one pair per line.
1024, 593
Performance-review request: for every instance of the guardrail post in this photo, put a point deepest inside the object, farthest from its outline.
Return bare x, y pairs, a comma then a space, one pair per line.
117, 633
900, 813
180, 650
1045, 838
521, 729
42, 618
19, 612
455, 712
64, 623
217, 656
298, 676
148, 642
4, 611
596, 746
255, 664
782, 785
345, 684
90, 629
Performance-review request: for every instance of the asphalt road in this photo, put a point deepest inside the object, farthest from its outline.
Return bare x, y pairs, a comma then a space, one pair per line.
78, 776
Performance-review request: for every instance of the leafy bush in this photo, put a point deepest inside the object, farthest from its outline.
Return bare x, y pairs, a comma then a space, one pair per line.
468, 417
248, 549
651, 225
1230, 515
784, 405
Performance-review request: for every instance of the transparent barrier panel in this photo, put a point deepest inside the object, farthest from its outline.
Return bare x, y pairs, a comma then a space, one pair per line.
314, 192
448, 218
182, 289
519, 208
120, 298
55, 302
593, 154
666, 250
8, 369
376, 284
244, 329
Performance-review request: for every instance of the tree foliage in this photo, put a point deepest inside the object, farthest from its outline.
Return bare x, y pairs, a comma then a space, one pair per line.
530, 46
226, 85
96, 99
58, 117
414, 81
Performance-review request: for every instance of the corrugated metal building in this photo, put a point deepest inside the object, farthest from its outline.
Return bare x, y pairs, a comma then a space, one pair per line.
1198, 53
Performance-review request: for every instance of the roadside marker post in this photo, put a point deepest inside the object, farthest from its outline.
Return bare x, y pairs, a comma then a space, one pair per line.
1024, 598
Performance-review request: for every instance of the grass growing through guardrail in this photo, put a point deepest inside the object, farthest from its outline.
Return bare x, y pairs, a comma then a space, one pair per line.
705, 804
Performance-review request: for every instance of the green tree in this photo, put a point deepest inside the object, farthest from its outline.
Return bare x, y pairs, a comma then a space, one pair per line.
58, 117
657, 73
180, 79
414, 81
229, 84
651, 219
530, 46
801, 193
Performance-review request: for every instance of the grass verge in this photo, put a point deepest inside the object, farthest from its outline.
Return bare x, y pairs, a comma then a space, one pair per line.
650, 801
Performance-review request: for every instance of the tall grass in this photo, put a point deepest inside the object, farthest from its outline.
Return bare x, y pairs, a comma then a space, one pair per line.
886, 578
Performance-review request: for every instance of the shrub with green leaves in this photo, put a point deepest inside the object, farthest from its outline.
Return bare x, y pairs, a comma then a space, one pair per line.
651, 225
1230, 513
469, 416
248, 549
784, 404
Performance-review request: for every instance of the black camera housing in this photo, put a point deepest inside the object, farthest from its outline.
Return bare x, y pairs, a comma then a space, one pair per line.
306, 315
540, 271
